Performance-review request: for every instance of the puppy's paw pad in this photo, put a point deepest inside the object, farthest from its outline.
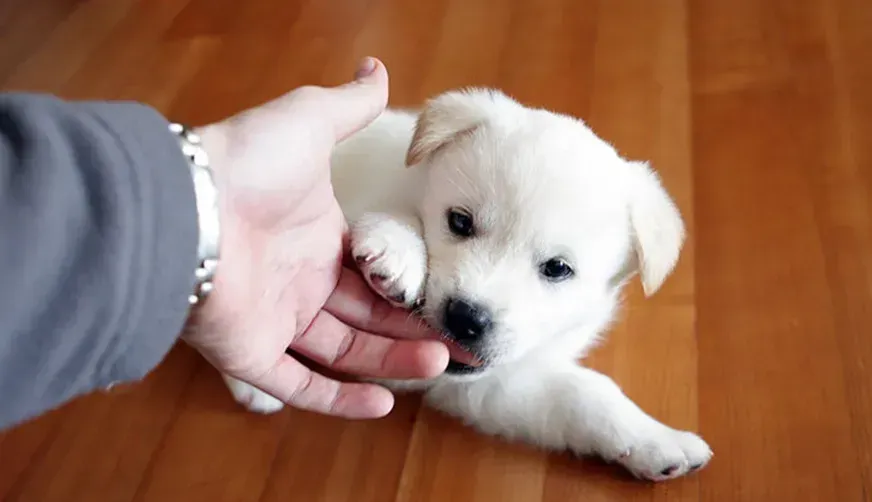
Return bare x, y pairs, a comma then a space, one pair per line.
392, 260
252, 398
394, 282
666, 454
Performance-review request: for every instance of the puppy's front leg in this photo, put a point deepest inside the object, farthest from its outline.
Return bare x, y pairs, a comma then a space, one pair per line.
392, 256
574, 408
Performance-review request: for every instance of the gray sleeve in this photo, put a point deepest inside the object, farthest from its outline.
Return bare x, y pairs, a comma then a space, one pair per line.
98, 239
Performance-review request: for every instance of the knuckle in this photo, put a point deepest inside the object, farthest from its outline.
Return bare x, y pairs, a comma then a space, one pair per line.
309, 93
380, 312
345, 347
302, 393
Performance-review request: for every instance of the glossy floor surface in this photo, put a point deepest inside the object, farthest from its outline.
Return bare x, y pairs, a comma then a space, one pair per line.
758, 115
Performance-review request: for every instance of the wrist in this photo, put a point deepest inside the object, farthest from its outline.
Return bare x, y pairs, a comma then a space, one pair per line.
208, 221
213, 142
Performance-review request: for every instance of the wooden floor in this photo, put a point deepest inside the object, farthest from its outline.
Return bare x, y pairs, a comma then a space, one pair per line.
759, 116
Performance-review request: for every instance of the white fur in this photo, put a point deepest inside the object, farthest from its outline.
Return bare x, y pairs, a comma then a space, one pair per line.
539, 185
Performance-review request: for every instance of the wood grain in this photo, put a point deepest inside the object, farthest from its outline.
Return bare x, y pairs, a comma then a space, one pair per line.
757, 114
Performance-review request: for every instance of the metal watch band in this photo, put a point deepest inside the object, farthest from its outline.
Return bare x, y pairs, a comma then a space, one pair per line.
206, 194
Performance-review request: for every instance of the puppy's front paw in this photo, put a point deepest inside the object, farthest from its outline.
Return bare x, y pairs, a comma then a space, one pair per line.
251, 397
392, 258
659, 453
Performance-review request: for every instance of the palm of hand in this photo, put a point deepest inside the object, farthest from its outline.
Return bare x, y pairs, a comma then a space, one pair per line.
281, 282
287, 269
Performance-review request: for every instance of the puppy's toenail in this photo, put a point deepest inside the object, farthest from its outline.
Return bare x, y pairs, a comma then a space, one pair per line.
669, 470
378, 277
695, 467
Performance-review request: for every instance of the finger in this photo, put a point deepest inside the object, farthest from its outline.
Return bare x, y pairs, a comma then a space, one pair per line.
355, 303
352, 106
340, 111
333, 343
299, 386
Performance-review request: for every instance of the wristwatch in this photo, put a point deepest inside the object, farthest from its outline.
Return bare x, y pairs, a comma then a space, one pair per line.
206, 194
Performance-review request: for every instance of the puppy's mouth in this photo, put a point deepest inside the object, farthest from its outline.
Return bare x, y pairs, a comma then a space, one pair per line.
462, 359
458, 368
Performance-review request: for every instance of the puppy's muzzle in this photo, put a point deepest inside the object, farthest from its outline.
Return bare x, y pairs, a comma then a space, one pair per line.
467, 322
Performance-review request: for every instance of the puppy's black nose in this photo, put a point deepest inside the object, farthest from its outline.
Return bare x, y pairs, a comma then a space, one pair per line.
466, 321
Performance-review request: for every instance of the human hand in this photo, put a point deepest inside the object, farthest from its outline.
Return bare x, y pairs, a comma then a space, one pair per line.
281, 282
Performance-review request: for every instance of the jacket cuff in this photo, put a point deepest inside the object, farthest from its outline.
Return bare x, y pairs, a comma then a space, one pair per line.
168, 222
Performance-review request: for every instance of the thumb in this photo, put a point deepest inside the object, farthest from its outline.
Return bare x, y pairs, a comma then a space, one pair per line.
352, 106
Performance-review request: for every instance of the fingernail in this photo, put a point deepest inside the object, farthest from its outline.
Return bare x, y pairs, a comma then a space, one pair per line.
367, 66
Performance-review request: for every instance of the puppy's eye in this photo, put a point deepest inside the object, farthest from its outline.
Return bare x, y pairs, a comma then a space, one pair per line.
460, 223
555, 270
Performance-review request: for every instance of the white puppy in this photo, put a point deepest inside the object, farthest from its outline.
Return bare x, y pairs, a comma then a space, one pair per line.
514, 230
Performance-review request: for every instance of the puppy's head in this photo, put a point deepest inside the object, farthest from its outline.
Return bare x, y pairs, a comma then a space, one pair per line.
532, 224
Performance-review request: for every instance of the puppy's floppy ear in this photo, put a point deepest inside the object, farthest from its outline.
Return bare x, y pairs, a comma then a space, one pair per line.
448, 117
658, 230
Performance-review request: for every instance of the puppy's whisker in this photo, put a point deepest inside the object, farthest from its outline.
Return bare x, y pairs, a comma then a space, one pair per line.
469, 181
459, 188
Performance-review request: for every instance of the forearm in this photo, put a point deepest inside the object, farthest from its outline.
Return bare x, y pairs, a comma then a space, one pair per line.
98, 239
